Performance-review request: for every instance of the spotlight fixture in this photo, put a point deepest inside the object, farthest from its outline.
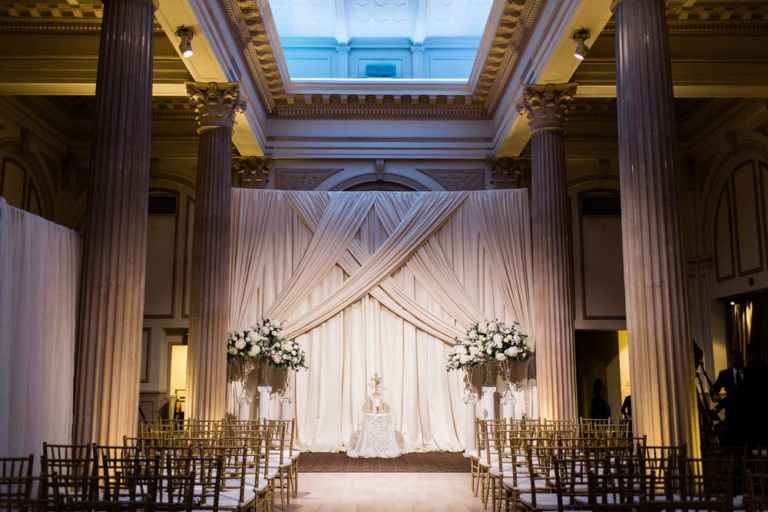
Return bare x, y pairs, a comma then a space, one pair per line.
186, 34
580, 36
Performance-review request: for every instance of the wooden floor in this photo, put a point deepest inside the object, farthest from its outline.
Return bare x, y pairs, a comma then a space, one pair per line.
385, 492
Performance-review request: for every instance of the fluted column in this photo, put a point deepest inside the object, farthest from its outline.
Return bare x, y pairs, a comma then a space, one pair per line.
660, 350
215, 107
553, 328
108, 358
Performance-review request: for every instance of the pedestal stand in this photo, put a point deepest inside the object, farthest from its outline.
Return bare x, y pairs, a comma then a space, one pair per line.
264, 392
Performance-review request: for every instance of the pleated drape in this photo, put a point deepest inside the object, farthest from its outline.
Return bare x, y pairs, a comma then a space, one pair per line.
39, 270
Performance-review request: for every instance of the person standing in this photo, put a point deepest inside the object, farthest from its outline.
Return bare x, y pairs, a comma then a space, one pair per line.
734, 381
600, 408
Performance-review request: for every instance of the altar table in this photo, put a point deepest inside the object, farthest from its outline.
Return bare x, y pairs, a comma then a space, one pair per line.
377, 438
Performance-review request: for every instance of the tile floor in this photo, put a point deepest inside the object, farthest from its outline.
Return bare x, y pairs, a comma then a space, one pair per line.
385, 492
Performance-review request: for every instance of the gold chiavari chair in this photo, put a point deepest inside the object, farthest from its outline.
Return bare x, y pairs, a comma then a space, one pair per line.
702, 480
115, 471
488, 455
755, 491
162, 492
235, 494
16, 483
663, 461
618, 492
503, 463
66, 461
540, 473
207, 478
256, 468
282, 431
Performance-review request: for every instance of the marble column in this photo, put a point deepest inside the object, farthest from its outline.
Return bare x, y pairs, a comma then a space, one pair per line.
553, 327
660, 349
215, 108
108, 357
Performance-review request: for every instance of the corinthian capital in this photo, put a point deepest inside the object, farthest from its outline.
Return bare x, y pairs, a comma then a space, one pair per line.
215, 104
546, 105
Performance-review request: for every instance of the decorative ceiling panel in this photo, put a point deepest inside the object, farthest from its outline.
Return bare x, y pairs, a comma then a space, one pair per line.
512, 30
305, 18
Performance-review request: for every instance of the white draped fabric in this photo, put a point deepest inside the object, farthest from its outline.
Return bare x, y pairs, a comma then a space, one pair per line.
39, 267
379, 282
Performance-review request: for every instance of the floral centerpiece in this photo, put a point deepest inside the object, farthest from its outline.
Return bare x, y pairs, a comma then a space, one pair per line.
265, 342
488, 342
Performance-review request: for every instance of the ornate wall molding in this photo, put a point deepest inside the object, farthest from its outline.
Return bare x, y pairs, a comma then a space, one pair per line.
251, 171
457, 179
301, 179
508, 172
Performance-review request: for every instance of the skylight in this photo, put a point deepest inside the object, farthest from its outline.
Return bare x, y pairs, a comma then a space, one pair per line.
380, 39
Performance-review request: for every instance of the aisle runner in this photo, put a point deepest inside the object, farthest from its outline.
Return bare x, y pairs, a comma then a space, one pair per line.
428, 462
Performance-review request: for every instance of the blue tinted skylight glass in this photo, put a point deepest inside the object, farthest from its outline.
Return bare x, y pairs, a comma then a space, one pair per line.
412, 39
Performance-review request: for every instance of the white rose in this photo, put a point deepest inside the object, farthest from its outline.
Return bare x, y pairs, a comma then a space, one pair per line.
464, 359
232, 351
473, 334
514, 351
493, 327
508, 338
482, 327
498, 339
286, 356
240, 344
473, 350
273, 332
276, 358
500, 356
461, 349
489, 350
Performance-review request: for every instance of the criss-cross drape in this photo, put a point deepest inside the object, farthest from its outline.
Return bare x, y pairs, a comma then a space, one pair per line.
379, 282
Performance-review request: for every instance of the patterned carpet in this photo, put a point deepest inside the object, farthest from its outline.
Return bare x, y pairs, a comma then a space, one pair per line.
428, 462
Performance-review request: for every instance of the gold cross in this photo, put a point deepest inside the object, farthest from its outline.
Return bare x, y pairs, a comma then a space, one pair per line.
376, 380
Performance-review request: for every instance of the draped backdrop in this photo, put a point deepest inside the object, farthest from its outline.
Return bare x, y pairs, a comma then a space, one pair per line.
379, 282
39, 268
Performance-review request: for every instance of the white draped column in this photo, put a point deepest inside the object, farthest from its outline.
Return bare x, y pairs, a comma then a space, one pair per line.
660, 349
215, 107
553, 326
108, 357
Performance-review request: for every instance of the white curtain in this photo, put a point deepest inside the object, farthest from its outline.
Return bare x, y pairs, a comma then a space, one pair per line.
379, 282
39, 267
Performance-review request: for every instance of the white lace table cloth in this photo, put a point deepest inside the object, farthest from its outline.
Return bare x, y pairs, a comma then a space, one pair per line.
377, 438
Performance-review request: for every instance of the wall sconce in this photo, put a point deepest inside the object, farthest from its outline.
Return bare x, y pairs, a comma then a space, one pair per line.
186, 34
580, 36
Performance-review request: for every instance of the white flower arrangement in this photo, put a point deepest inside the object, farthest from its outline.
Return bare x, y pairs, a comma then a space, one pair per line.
486, 342
266, 342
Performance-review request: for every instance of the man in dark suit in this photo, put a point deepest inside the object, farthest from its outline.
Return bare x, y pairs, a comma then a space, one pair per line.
735, 403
